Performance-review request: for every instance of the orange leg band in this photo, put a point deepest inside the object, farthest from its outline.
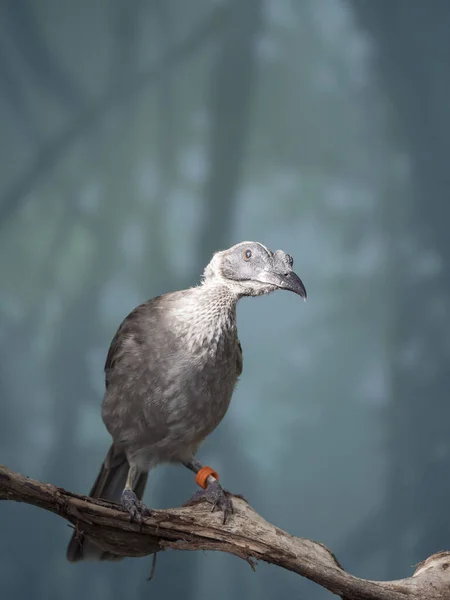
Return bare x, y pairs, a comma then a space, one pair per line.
202, 476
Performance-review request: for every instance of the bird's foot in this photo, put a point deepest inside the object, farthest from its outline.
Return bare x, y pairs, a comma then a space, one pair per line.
215, 495
134, 506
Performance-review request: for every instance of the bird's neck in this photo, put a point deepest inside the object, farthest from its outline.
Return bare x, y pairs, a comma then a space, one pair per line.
216, 305
207, 317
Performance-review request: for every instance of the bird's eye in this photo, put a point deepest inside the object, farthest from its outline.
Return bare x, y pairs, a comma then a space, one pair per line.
247, 254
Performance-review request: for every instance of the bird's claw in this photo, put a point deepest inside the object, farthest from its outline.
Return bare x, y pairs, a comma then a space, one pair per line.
215, 495
137, 509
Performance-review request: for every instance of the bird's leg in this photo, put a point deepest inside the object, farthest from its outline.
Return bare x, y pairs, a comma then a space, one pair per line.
130, 501
212, 491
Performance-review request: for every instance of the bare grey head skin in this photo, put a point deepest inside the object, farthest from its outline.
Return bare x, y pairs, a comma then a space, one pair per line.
251, 269
170, 374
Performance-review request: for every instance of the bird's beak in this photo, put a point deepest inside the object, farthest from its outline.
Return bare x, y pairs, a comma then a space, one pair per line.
285, 281
292, 282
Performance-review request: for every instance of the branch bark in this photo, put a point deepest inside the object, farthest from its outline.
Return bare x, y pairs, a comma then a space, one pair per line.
247, 535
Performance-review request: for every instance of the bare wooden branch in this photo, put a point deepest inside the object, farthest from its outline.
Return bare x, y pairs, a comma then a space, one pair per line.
246, 535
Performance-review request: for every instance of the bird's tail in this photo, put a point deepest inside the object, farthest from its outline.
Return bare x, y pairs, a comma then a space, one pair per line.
109, 485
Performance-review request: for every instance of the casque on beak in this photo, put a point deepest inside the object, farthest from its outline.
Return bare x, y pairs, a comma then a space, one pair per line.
280, 273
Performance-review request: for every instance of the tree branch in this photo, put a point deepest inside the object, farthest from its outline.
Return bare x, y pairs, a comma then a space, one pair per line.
247, 535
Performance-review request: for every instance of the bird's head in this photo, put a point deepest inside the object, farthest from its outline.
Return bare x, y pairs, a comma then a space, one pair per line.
251, 269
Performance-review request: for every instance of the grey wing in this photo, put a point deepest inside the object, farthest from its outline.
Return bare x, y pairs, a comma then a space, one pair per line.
129, 409
128, 341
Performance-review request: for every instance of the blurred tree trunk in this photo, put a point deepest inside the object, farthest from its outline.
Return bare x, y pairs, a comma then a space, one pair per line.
81, 324
42, 65
232, 87
413, 46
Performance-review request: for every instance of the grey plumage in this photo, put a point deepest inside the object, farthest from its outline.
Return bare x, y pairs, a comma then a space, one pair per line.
171, 370
109, 484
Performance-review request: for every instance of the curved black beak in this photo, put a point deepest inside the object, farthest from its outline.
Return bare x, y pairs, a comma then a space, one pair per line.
284, 280
292, 282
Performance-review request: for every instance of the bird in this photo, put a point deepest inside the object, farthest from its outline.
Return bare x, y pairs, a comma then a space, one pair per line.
170, 373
